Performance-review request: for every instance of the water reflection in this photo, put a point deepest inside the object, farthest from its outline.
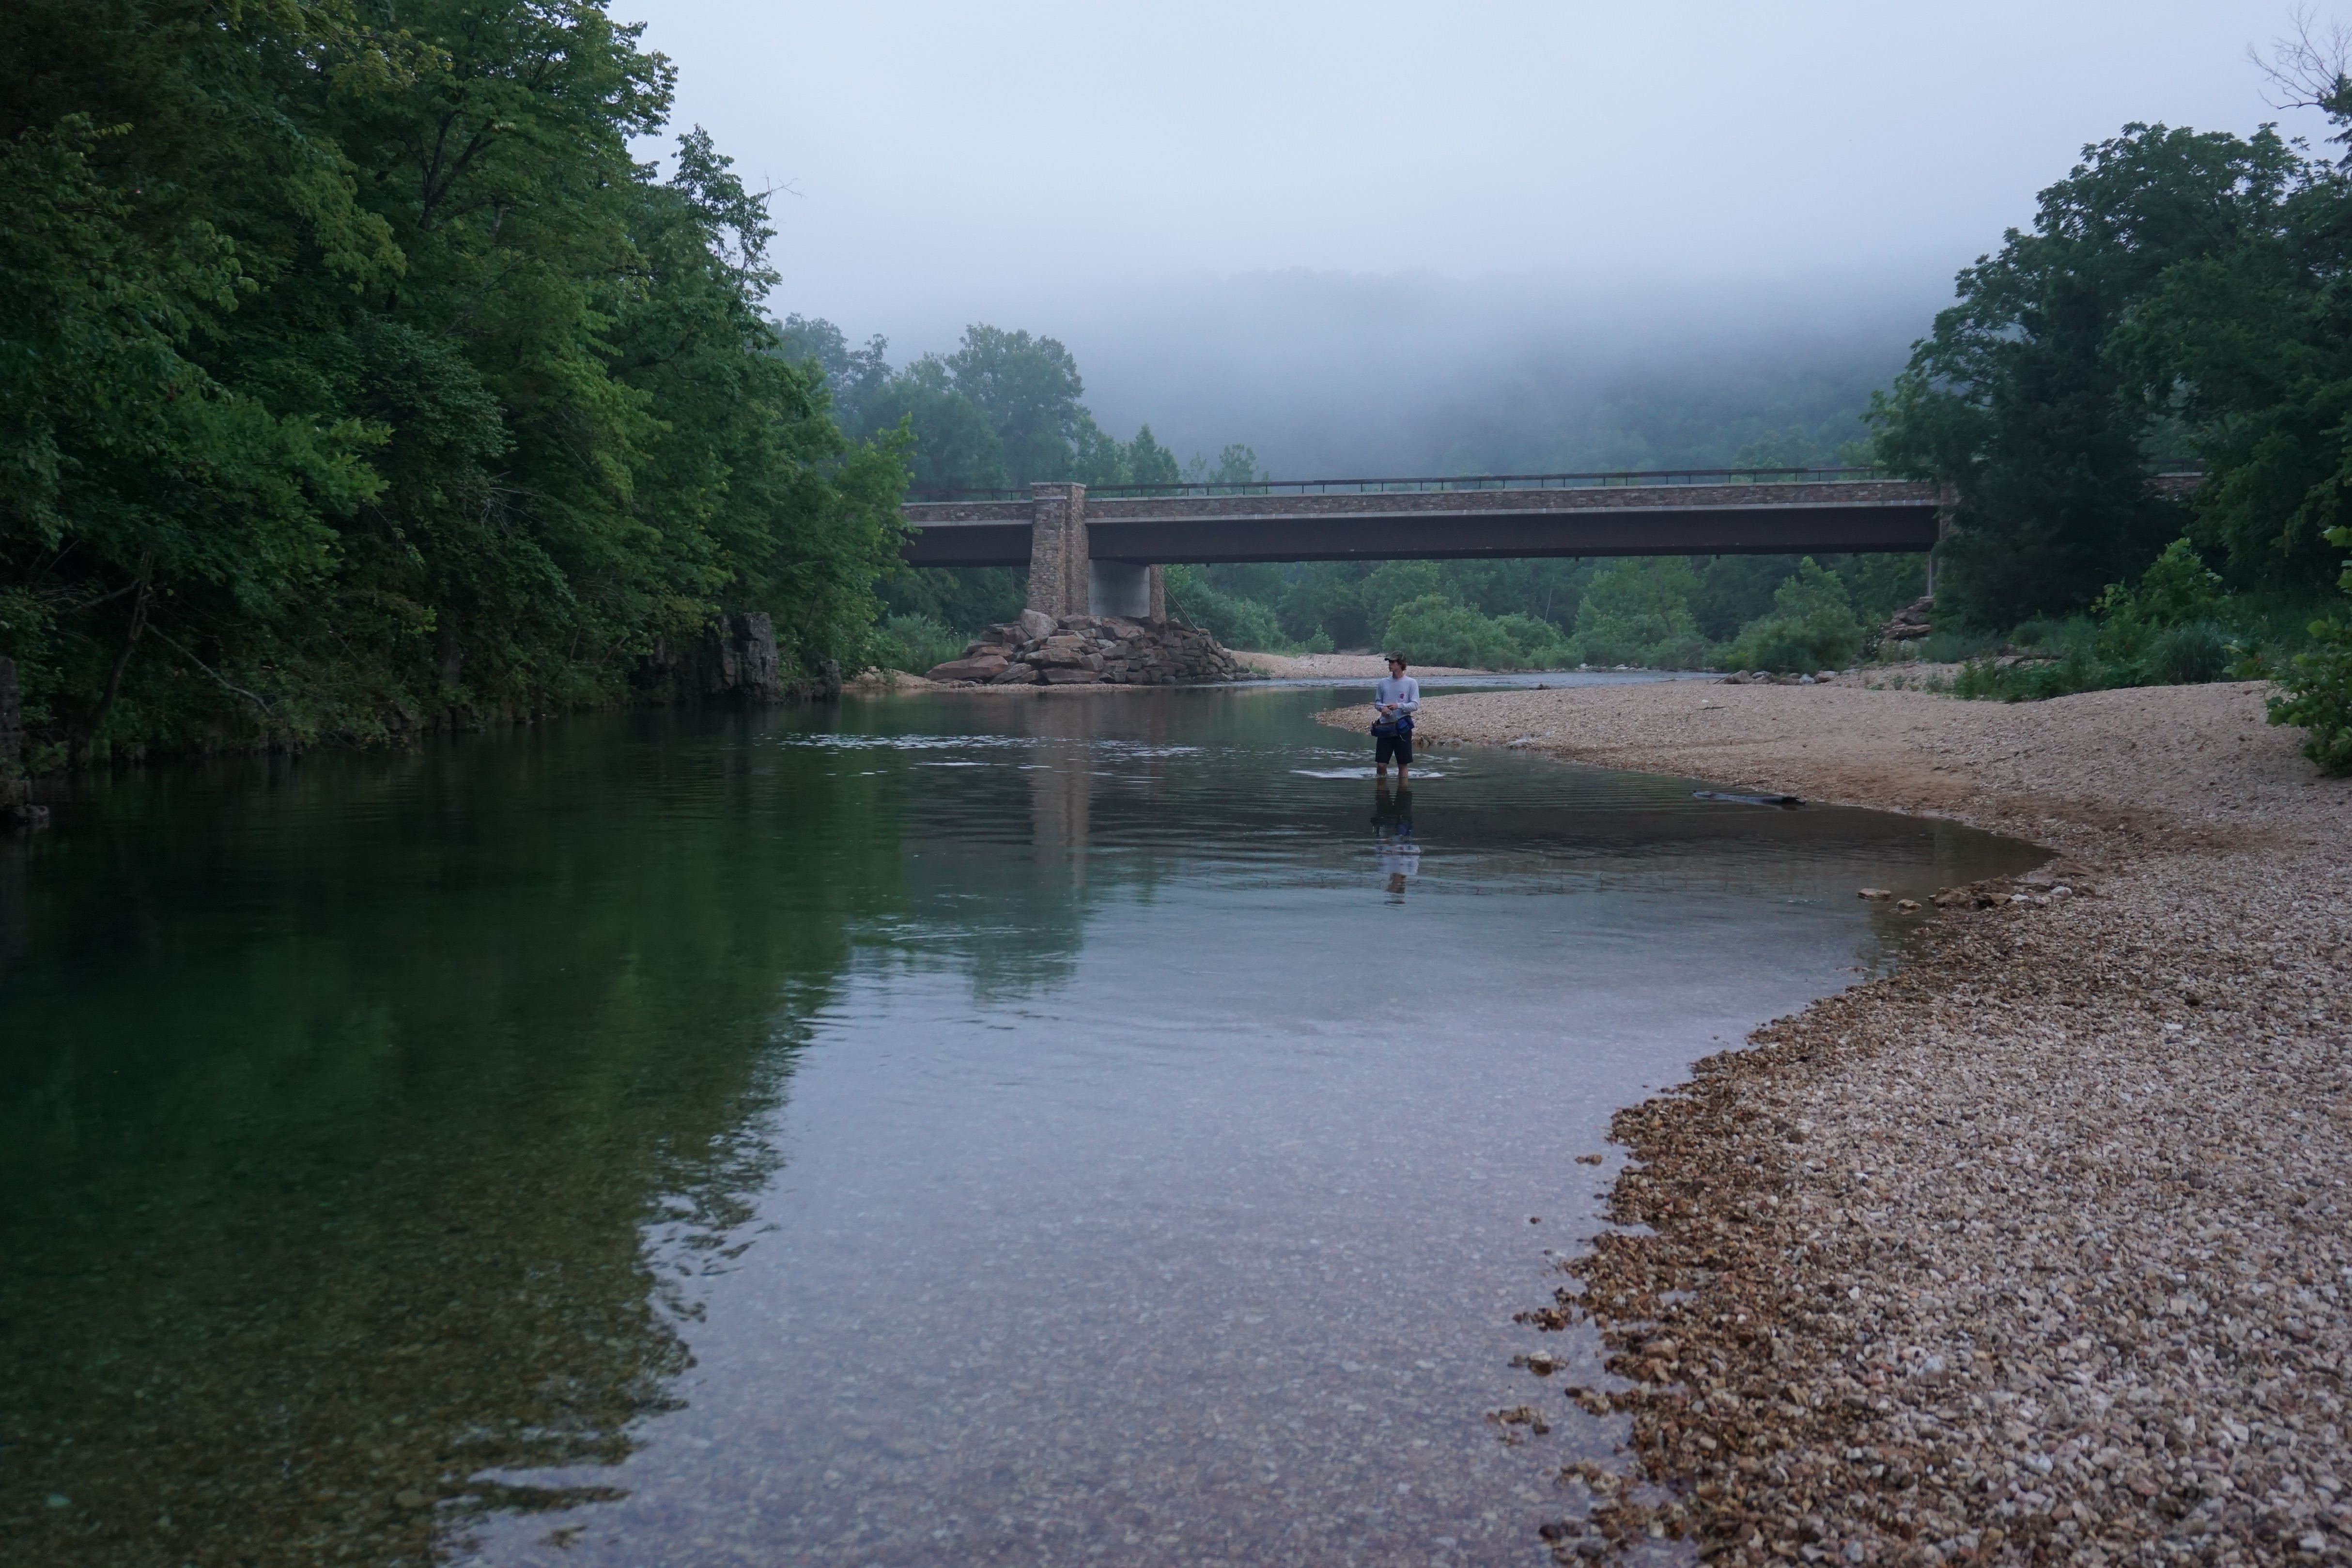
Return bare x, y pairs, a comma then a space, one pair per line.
1395, 848
950, 1130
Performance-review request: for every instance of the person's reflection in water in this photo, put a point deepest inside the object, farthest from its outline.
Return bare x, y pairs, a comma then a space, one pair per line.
1393, 844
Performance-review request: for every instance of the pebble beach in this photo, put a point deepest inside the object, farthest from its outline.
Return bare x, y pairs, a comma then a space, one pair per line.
2040, 1250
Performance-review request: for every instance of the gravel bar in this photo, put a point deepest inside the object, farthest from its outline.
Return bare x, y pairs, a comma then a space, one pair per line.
2037, 1251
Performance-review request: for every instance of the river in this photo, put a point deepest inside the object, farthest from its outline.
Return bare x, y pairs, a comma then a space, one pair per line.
948, 1128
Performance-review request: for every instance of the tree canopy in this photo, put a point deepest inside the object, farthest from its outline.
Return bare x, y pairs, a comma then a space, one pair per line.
2183, 295
356, 376
1003, 410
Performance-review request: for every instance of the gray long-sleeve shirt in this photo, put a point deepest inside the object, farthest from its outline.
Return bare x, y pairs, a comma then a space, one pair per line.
1403, 691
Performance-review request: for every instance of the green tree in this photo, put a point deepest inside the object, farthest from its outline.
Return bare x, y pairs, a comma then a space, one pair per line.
360, 376
1638, 611
2315, 691
851, 376
1812, 626
1149, 463
2021, 399
1235, 622
1028, 390
951, 446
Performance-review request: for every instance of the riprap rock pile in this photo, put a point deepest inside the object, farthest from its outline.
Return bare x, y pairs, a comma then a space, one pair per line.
1090, 650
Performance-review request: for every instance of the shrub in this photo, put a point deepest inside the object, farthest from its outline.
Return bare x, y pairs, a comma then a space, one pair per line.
2176, 589
1235, 622
1536, 645
1952, 646
2317, 687
1639, 612
2079, 669
915, 643
1435, 630
1811, 627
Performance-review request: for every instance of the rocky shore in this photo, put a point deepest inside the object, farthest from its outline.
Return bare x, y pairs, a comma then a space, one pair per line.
1089, 650
2040, 1250
1367, 667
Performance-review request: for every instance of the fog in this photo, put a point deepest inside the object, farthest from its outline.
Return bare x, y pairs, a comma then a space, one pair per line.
1383, 238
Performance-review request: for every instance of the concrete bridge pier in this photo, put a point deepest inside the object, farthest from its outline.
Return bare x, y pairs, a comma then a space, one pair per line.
1064, 577
1126, 587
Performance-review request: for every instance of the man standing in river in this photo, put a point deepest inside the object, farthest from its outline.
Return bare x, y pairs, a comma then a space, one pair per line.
1398, 698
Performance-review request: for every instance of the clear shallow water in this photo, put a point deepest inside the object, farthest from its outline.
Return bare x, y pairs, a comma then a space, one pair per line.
953, 1129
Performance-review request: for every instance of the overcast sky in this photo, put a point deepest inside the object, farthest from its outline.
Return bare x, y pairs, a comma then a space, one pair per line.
1280, 178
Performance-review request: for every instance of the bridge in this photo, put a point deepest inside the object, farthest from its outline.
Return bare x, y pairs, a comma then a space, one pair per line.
1100, 553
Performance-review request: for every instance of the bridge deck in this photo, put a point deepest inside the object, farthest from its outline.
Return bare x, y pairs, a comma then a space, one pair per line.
1662, 519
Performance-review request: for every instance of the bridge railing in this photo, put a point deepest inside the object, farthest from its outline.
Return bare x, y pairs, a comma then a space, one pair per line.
1472, 482
1445, 481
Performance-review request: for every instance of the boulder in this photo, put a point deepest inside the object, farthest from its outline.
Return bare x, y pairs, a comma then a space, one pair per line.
985, 667
1036, 625
1017, 676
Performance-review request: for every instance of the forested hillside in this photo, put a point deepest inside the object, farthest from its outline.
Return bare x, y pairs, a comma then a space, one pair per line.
354, 377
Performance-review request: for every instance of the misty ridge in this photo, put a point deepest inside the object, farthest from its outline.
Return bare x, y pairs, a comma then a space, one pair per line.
1328, 375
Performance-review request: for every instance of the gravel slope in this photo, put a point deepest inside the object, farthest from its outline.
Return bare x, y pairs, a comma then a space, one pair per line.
2041, 1250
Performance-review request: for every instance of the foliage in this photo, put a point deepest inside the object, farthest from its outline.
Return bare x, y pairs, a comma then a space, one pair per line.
1637, 612
2316, 696
2178, 625
1002, 412
2316, 690
1236, 465
964, 597
1811, 627
2188, 654
2029, 400
951, 444
1435, 630
356, 377
2176, 589
1235, 621
915, 643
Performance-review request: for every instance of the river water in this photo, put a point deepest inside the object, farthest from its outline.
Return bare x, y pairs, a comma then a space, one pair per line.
960, 1129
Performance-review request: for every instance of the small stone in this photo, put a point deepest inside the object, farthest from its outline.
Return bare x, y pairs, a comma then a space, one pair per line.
1875, 892
412, 1499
